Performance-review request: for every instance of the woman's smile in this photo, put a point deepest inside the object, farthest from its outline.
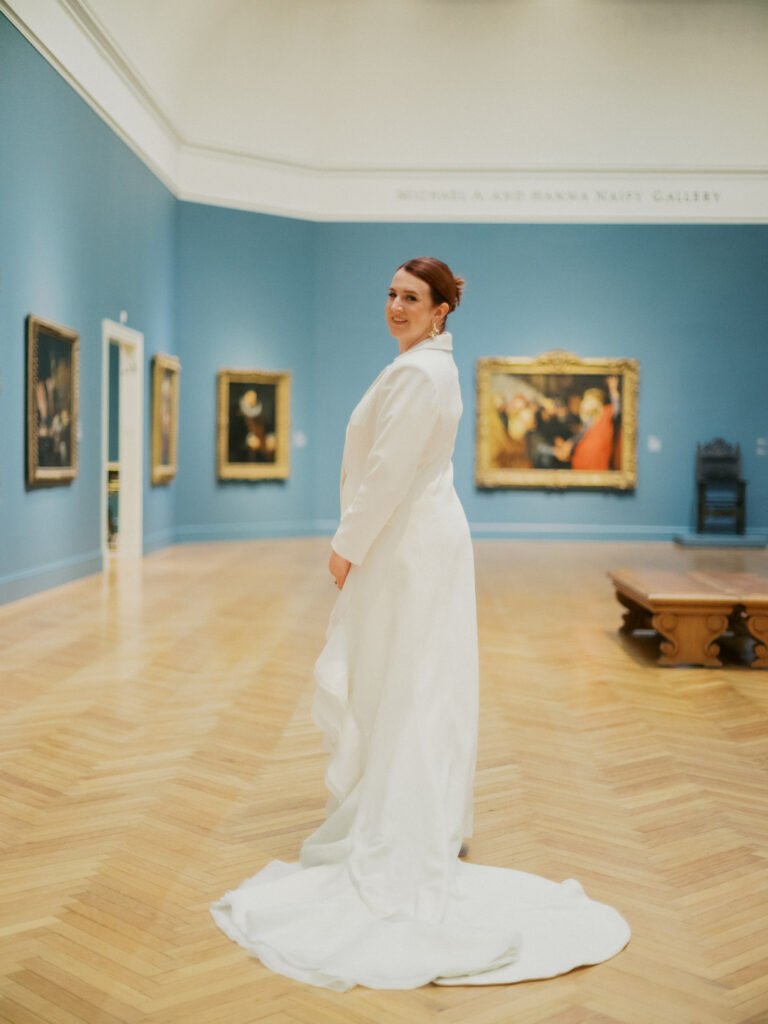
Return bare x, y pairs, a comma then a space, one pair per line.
409, 292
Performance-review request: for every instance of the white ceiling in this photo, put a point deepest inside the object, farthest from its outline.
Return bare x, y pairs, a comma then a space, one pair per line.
431, 87
456, 83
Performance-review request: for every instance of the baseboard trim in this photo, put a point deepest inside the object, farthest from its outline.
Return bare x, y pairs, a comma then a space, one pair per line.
574, 531
247, 531
31, 581
158, 541
491, 531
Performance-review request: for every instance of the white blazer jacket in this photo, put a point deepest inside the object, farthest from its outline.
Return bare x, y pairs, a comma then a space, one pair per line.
399, 445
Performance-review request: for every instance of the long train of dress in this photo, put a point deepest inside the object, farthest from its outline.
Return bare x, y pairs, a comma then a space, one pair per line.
379, 896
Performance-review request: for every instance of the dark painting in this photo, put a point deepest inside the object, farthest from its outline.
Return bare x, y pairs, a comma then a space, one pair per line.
52, 402
252, 435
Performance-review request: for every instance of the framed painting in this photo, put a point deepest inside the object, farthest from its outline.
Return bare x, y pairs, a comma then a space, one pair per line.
556, 421
165, 418
254, 425
52, 369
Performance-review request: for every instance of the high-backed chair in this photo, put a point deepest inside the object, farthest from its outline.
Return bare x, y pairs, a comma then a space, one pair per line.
721, 490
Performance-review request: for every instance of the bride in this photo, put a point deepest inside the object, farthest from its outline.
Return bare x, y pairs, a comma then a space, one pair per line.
379, 896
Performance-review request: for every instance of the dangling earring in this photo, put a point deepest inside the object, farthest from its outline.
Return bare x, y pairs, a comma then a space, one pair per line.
435, 330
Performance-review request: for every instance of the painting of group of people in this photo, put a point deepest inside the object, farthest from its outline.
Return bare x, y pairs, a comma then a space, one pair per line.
563, 422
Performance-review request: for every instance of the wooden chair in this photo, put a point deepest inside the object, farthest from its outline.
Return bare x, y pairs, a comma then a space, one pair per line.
721, 490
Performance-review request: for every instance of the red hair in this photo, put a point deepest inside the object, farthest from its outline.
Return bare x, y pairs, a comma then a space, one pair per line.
443, 284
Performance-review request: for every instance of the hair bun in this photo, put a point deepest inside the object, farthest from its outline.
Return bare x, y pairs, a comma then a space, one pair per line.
458, 283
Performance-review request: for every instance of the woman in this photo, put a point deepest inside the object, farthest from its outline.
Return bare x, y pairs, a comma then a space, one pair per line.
379, 896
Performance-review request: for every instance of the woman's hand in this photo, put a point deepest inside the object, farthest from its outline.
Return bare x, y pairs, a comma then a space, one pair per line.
339, 568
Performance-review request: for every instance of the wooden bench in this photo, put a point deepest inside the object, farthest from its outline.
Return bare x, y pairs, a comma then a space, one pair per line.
692, 609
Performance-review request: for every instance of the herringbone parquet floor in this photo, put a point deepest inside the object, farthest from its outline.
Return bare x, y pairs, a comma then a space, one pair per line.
157, 749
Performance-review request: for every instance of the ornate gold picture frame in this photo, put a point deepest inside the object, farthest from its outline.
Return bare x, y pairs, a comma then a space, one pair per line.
52, 370
254, 425
165, 418
556, 421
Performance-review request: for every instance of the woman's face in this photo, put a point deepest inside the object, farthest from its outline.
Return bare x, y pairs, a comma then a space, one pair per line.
410, 311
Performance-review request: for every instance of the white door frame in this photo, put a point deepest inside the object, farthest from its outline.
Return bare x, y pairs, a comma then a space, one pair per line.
130, 528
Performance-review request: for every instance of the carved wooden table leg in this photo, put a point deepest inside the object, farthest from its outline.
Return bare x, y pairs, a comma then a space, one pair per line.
692, 609
635, 617
757, 624
690, 635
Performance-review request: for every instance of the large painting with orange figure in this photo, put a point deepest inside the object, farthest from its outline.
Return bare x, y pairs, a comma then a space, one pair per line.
556, 421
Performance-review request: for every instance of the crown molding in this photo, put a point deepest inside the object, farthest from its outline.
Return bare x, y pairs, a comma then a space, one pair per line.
75, 43
547, 196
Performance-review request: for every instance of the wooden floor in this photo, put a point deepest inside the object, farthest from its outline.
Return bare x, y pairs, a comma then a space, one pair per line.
157, 748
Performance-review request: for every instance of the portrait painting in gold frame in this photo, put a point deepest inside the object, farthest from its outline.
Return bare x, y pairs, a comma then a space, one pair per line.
556, 421
165, 418
53, 354
254, 425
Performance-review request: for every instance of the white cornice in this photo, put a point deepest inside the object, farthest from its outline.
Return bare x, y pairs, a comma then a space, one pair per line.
575, 196
78, 46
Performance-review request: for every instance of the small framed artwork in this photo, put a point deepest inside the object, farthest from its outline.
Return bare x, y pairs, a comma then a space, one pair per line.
165, 418
254, 425
556, 421
52, 369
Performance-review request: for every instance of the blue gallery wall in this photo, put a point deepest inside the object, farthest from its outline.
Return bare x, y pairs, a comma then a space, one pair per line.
245, 300
86, 231
689, 302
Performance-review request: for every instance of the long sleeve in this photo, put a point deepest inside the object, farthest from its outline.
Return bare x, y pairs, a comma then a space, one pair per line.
406, 416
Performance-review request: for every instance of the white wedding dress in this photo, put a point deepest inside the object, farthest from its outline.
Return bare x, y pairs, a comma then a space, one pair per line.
379, 896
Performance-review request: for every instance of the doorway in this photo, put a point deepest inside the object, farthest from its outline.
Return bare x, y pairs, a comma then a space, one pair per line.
122, 430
